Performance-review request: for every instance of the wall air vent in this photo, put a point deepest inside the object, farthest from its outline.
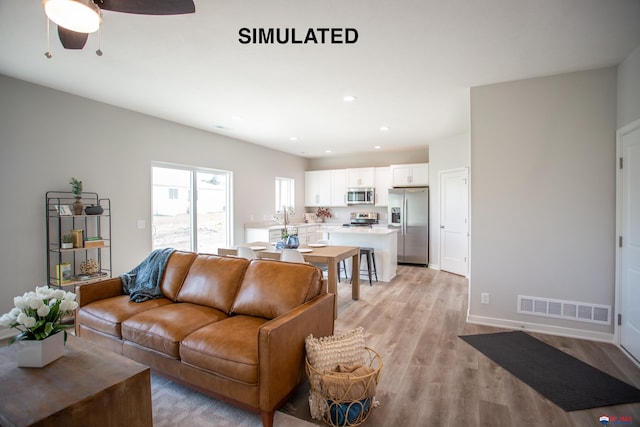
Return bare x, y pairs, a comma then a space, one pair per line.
569, 310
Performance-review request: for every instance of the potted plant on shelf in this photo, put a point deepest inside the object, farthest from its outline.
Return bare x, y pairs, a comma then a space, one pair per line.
76, 189
67, 241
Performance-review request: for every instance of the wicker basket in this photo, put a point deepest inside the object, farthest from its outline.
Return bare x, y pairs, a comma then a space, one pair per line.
348, 401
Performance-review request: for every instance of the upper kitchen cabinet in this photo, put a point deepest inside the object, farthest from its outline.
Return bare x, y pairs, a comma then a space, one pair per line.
317, 188
361, 177
338, 187
325, 188
411, 175
383, 184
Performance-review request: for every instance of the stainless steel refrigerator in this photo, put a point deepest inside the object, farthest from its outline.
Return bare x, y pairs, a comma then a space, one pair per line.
409, 214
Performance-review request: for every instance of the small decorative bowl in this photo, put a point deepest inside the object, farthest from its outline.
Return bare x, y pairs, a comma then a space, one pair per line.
94, 210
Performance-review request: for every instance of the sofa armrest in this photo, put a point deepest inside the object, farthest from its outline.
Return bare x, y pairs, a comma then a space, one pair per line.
86, 294
281, 348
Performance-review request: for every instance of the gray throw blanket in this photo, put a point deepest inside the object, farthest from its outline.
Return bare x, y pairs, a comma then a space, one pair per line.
143, 282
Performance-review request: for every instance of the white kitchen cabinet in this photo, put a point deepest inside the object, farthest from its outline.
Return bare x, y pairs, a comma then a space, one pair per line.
361, 177
338, 187
382, 185
307, 234
410, 175
262, 234
317, 188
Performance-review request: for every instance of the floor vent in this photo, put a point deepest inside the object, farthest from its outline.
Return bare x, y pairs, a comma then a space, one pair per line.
571, 310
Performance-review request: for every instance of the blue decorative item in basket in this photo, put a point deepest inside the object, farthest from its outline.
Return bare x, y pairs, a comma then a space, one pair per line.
345, 414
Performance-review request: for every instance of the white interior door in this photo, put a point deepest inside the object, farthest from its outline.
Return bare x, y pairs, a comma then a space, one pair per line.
629, 227
454, 221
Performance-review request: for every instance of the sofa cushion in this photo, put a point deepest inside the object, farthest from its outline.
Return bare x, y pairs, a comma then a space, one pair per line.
107, 315
213, 281
162, 328
175, 273
229, 348
273, 288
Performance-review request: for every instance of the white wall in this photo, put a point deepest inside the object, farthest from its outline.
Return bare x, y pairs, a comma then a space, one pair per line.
48, 136
445, 154
543, 196
629, 89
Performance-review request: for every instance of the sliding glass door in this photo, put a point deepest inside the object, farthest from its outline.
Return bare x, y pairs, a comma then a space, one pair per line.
191, 208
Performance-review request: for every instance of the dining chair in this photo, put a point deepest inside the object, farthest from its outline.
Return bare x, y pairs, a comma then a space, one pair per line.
292, 255
342, 265
246, 252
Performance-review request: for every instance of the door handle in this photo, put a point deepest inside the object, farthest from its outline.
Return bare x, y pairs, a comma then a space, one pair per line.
442, 226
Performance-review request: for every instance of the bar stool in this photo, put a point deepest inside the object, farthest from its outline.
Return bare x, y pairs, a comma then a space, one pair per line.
371, 260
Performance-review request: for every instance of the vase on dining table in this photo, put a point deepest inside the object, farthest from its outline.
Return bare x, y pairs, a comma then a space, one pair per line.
292, 242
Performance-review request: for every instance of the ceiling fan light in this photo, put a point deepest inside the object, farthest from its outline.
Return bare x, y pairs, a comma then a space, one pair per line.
81, 16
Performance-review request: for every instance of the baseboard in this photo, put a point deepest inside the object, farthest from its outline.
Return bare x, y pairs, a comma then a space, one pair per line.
434, 266
543, 329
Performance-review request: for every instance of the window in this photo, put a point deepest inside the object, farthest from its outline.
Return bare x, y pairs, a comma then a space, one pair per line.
190, 208
284, 193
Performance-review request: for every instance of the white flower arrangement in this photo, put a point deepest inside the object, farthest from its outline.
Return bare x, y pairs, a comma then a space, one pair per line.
38, 315
287, 213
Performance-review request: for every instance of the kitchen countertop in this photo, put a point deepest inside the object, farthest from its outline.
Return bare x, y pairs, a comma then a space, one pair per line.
276, 226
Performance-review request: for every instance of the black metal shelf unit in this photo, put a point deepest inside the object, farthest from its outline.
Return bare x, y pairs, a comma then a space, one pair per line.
90, 258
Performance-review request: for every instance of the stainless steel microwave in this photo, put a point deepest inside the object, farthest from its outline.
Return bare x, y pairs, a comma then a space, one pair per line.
360, 196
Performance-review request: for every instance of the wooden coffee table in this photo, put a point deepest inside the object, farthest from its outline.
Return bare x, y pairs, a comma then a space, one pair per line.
88, 386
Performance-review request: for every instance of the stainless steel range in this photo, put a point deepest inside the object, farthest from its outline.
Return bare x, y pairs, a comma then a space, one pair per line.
362, 219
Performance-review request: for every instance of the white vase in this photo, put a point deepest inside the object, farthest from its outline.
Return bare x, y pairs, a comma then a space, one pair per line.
36, 354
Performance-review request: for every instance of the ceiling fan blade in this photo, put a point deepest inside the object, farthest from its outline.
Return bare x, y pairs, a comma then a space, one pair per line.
148, 7
71, 39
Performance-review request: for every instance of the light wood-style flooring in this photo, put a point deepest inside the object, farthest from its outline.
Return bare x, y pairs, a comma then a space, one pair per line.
431, 377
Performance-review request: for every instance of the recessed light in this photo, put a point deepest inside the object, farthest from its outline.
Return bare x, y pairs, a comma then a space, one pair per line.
377, 147
294, 138
235, 117
327, 151
349, 98
384, 128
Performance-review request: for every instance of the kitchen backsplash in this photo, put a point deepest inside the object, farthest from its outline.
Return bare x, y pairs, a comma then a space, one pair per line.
343, 215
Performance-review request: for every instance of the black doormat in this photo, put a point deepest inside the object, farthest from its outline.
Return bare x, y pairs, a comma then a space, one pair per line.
566, 381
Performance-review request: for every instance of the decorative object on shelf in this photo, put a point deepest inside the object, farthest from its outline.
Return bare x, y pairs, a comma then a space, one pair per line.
77, 237
76, 189
67, 241
89, 266
94, 210
63, 273
93, 242
38, 316
64, 210
322, 214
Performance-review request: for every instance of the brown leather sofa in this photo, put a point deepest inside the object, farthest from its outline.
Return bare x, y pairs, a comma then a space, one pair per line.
228, 327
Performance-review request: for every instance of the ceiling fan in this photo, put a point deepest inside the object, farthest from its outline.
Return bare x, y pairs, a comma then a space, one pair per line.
77, 18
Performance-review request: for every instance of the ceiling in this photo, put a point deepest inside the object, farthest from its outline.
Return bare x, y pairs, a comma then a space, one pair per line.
410, 69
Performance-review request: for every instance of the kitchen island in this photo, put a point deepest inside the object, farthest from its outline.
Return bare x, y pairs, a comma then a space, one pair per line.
383, 240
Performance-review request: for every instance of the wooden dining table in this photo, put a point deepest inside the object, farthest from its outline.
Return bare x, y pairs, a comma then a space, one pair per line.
329, 255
